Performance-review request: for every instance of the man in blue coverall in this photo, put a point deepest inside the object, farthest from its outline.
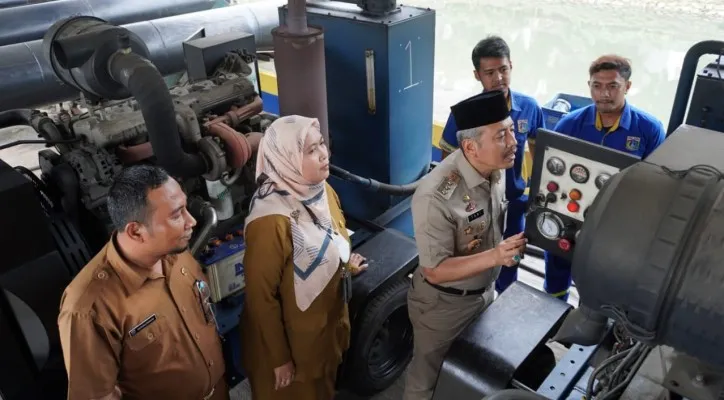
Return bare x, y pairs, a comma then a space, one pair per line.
491, 59
612, 122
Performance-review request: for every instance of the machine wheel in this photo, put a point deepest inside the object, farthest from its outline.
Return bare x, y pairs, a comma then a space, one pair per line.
382, 346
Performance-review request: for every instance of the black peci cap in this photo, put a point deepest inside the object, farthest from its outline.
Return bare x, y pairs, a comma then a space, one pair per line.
483, 109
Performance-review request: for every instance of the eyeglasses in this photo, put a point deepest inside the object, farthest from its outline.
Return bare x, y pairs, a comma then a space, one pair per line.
202, 288
600, 88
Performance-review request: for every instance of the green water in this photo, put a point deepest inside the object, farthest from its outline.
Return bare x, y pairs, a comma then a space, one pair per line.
553, 43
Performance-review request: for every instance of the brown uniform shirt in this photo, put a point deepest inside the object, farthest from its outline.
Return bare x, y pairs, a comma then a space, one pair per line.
145, 332
275, 330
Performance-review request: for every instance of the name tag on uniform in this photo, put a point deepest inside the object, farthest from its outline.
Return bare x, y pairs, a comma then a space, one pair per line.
477, 214
143, 325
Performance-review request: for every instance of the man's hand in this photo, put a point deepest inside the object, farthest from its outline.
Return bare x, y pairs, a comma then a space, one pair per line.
284, 375
509, 251
357, 264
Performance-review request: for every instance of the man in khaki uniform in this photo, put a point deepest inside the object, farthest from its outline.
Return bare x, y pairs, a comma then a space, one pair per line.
458, 213
136, 323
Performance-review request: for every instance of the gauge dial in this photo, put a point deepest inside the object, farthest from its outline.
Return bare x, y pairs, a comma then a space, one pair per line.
579, 173
601, 179
556, 166
549, 225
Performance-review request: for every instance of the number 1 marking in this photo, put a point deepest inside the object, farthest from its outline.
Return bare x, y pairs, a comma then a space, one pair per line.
408, 47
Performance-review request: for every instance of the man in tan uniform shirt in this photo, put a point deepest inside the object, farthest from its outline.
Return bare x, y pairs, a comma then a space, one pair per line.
458, 214
136, 322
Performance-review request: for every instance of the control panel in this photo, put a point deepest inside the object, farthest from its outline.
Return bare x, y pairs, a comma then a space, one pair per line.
567, 175
223, 261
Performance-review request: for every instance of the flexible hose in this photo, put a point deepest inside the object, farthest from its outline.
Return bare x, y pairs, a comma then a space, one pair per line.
147, 86
601, 367
374, 185
15, 117
613, 393
47, 129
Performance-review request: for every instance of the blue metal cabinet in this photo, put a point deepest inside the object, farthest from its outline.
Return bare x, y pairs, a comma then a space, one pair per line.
388, 138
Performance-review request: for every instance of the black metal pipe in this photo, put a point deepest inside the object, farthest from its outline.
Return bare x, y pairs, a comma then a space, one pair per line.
12, 3
16, 3
22, 24
37, 141
686, 79
147, 86
29, 80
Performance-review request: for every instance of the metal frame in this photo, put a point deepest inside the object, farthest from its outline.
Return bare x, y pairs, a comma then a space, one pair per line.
574, 366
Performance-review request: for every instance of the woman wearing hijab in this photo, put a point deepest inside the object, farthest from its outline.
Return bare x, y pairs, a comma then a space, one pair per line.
297, 265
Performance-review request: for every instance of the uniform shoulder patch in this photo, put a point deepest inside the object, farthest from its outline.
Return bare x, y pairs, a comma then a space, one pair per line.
448, 185
85, 290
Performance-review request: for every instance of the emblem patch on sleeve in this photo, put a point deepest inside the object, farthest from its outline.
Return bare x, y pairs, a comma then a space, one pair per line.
448, 185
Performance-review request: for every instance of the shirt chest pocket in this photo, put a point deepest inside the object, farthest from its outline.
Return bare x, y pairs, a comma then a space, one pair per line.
150, 333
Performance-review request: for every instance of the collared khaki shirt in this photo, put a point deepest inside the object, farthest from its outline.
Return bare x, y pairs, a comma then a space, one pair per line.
146, 333
457, 212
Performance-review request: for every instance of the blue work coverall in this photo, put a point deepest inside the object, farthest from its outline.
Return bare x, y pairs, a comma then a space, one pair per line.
636, 132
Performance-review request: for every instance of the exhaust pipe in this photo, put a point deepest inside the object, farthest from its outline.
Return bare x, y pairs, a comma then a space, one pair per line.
29, 80
299, 63
22, 24
16, 3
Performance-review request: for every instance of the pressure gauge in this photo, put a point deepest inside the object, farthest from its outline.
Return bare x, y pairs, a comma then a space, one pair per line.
601, 179
556, 166
549, 225
579, 173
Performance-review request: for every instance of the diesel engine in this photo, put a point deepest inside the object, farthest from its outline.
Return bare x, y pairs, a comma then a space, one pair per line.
204, 130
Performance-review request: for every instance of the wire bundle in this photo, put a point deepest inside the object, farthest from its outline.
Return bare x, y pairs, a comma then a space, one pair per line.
615, 373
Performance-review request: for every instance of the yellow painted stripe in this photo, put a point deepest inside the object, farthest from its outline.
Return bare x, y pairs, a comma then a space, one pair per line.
268, 81
437, 133
527, 165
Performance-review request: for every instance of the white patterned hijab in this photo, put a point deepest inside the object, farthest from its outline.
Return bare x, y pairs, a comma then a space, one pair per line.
286, 192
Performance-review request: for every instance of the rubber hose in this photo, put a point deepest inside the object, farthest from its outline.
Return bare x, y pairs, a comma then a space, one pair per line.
515, 394
15, 117
147, 86
374, 185
48, 130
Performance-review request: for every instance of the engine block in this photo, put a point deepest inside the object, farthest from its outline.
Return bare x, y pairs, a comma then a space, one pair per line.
121, 122
219, 118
